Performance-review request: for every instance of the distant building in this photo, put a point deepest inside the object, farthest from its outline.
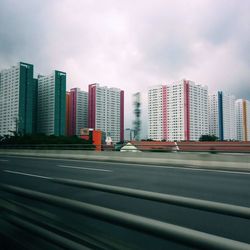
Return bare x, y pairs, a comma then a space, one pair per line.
77, 111
17, 99
106, 111
178, 112
242, 109
222, 116
129, 134
51, 104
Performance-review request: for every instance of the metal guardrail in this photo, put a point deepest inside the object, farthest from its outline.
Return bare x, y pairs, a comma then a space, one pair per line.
157, 228
46, 234
49, 221
216, 207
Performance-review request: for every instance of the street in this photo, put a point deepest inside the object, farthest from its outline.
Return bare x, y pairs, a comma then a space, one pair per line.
212, 185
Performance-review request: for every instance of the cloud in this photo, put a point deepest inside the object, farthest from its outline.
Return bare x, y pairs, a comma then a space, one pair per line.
131, 44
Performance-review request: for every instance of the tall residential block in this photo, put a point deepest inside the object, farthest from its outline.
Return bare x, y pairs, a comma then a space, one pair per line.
222, 116
17, 98
178, 112
106, 111
51, 104
242, 109
77, 111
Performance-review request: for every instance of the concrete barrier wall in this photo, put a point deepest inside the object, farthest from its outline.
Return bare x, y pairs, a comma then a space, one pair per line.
236, 162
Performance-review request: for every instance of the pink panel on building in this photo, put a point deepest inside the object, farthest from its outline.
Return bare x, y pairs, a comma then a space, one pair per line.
67, 113
92, 106
72, 111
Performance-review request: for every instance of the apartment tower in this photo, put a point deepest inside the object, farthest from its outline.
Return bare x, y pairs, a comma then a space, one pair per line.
106, 111
51, 104
178, 112
17, 99
77, 111
222, 116
242, 110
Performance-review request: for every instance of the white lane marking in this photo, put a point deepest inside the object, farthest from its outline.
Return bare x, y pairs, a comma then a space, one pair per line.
3, 160
219, 171
191, 168
32, 175
83, 168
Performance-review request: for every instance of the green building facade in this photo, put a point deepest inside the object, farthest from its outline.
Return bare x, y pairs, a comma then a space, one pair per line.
51, 104
26, 99
60, 103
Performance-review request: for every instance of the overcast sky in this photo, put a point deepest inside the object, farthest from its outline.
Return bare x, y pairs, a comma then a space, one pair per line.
131, 44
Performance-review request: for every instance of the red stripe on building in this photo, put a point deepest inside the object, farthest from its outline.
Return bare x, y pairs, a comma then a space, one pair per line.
72, 111
68, 113
186, 111
92, 106
164, 112
122, 115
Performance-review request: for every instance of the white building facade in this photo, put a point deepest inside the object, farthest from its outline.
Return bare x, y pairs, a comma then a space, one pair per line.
242, 110
78, 111
106, 111
222, 119
178, 112
51, 104
16, 99
155, 113
81, 111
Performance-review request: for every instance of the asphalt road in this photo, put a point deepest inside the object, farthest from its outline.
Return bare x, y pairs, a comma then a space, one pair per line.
220, 186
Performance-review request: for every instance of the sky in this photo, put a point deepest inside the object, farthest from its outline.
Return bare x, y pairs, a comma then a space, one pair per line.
131, 44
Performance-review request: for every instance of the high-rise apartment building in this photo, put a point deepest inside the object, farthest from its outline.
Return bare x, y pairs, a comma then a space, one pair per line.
178, 112
51, 104
78, 111
242, 110
106, 111
222, 116
156, 122
17, 99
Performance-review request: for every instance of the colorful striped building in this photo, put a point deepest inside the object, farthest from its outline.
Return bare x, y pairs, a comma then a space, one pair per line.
51, 104
77, 111
106, 111
242, 109
17, 100
222, 116
178, 112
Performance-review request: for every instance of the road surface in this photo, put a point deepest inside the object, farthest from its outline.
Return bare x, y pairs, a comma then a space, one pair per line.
213, 185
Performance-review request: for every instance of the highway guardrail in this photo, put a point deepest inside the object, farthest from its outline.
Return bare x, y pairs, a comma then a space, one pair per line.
163, 230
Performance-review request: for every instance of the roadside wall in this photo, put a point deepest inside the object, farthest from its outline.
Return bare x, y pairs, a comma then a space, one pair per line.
235, 162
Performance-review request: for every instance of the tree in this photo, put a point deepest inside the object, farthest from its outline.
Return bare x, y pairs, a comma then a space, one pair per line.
208, 138
42, 139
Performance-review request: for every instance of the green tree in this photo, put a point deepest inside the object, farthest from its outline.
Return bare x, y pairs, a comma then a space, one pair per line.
208, 138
